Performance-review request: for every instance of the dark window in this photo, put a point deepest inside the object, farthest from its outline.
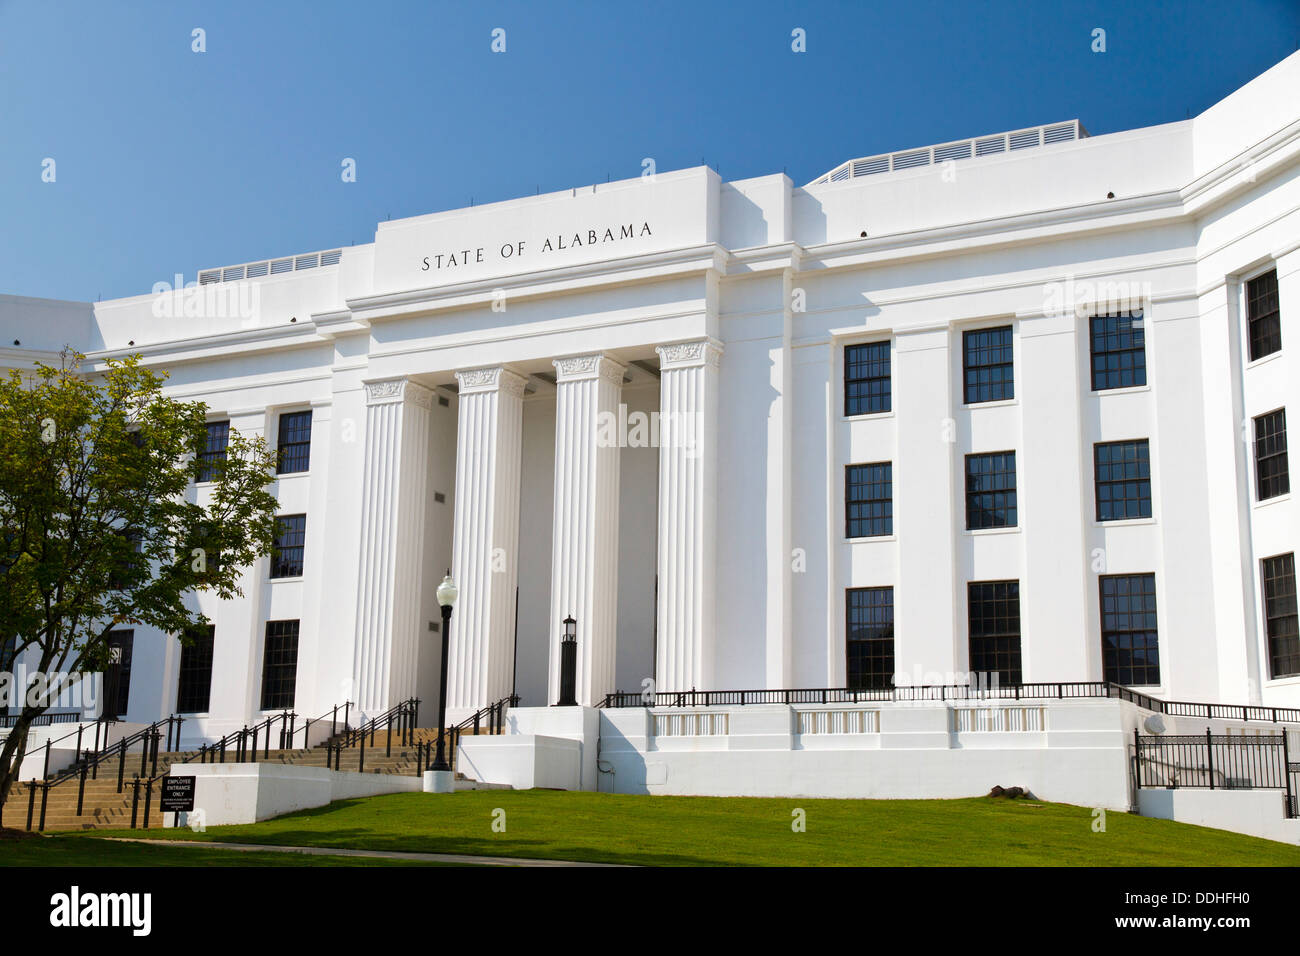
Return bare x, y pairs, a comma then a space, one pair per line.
988, 366
129, 562
1263, 315
1130, 651
194, 688
120, 644
869, 499
1119, 358
1271, 475
295, 442
866, 378
991, 490
286, 559
214, 452
994, 612
871, 638
279, 665
1123, 479
1280, 620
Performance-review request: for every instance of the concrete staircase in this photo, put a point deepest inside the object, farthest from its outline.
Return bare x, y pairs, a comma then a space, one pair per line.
103, 807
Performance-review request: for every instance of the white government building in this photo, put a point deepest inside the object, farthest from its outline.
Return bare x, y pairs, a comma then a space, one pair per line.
1013, 406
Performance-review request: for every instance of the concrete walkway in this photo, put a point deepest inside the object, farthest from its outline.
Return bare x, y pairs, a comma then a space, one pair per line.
381, 854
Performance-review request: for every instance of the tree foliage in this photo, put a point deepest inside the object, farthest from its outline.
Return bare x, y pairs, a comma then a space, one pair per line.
100, 526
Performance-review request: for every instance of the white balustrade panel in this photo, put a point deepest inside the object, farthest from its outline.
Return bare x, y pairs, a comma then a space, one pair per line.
968, 720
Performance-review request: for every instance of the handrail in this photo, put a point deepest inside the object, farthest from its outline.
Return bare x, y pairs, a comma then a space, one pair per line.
493, 714
405, 714
1052, 690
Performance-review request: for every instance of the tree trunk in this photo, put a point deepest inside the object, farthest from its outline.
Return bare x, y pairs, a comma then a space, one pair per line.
15, 743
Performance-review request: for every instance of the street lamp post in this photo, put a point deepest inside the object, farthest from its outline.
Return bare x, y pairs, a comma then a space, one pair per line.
569, 664
447, 592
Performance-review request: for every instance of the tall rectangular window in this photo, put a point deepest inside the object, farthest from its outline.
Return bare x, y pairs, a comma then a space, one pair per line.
120, 646
1263, 316
991, 490
870, 636
194, 685
1280, 621
869, 499
1119, 357
280, 665
1130, 651
213, 456
295, 442
286, 559
1122, 471
866, 378
987, 365
1272, 478
994, 621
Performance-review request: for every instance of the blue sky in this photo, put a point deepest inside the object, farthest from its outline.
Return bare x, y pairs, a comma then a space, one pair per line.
169, 161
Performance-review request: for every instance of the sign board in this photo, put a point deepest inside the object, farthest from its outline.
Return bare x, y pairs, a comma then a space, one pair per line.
177, 795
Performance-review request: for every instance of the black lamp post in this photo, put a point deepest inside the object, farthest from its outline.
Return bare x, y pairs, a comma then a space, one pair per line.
569, 664
447, 592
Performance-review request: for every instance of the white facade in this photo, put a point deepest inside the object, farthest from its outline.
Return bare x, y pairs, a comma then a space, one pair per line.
461, 371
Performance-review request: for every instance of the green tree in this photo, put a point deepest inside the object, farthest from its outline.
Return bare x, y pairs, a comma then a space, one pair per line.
98, 523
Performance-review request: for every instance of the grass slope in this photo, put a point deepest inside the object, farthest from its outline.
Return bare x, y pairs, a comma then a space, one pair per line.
690, 831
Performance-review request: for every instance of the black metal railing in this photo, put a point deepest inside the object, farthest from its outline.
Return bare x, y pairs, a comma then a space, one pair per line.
403, 715
1213, 761
42, 720
1048, 690
488, 720
88, 762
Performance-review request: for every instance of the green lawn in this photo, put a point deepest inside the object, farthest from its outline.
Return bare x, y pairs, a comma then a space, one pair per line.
692, 831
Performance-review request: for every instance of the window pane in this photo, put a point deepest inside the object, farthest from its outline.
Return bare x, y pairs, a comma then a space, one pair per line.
1119, 357
1123, 479
866, 378
120, 645
1280, 619
994, 627
1263, 316
987, 365
991, 490
870, 638
286, 559
1129, 644
214, 452
194, 686
1272, 477
280, 665
869, 499
295, 442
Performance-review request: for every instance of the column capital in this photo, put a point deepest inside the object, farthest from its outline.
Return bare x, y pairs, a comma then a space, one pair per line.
576, 368
707, 351
490, 379
395, 390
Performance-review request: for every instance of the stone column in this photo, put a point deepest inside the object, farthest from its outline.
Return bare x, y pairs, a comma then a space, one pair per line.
688, 466
392, 544
584, 564
489, 440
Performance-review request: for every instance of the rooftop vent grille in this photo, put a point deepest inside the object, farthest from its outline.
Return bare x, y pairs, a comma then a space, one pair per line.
274, 267
962, 149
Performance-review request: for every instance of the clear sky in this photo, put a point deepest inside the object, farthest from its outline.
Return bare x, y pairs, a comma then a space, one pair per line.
167, 160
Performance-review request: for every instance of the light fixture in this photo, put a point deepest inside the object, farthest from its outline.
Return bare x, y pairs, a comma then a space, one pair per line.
447, 591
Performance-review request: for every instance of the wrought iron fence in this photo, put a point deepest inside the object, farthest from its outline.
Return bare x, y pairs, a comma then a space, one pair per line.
1216, 762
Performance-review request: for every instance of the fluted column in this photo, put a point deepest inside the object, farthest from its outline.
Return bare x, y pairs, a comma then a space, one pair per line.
688, 466
489, 441
584, 563
392, 542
